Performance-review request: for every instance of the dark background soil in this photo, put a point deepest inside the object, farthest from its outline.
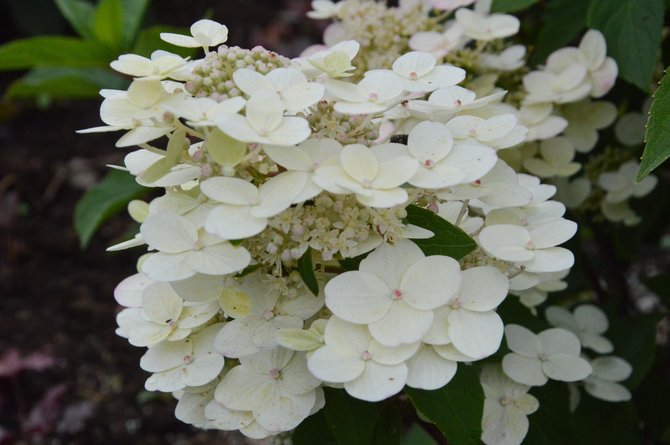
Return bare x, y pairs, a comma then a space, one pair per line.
55, 297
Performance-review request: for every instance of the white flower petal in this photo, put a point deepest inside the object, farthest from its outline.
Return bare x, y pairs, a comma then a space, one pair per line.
378, 382
476, 334
427, 370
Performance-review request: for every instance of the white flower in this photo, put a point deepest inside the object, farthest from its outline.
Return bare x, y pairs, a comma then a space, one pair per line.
429, 370
586, 118
204, 33
203, 111
506, 407
620, 212
604, 384
324, 9
184, 251
535, 249
621, 184
451, 210
498, 132
129, 291
443, 103
264, 122
592, 55
244, 208
191, 405
291, 85
509, 59
630, 129
162, 64
368, 370
443, 163
436, 43
178, 364
255, 331
375, 93
572, 193
540, 122
306, 157
557, 159
419, 74
373, 175
394, 291
162, 315
481, 27
274, 385
552, 354
567, 85
334, 62
587, 322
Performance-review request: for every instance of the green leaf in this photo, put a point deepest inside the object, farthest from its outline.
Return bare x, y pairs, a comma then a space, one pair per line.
306, 270
511, 5
388, 430
108, 24
417, 436
633, 30
448, 240
64, 83
313, 430
52, 51
79, 14
102, 201
660, 285
657, 149
596, 421
353, 263
351, 421
148, 40
132, 12
550, 425
565, 19
456, 409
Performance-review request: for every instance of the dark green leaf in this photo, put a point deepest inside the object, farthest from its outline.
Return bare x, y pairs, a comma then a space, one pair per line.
511, 5
79, 14
565, 19
635, 341
306, 270
149, 40
550, 425
132, 12
52, 51
660, 285
64, 83
633, 30
351, 421
596, 421
456, 409
657, 149
388, 430
448, 240
313, 430
353, 263
102, 201
417, 436
108, 24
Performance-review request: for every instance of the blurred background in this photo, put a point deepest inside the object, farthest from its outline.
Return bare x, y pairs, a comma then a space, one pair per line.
65, 377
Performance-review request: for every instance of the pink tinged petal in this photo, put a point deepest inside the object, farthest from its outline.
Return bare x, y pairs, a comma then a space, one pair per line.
242, 387
591, 319
167, 267
604, 78
438, 334
559, 341
128, 292
358, 297
427, 370
524, 370
424, 289
377, 382
232, 191
234, 222
386, 355
506, 242
250, 81
166, 355
566, 368
552, 259
476, 334
219, 259
482, 288
401, 324
608, 391
522, 341
391, 262
280, 412
336, 364
168, 232
160, 304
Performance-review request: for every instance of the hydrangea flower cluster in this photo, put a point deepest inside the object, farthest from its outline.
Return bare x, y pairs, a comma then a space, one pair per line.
282, 256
